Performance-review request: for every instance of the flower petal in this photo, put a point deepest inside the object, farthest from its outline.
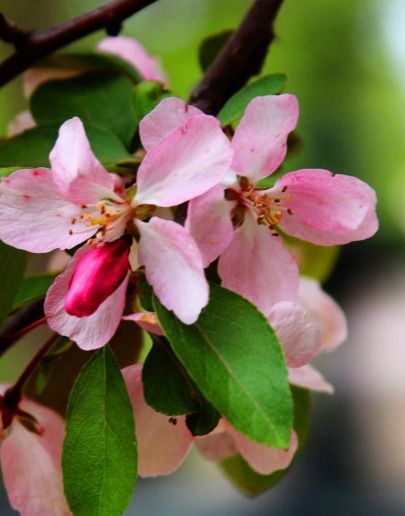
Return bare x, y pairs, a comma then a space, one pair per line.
264, 459
209, 223
309, 378
189, 161
216, 446
90, 332
173, 266
20, 123
327, 209
78, 174
260, 140
257, 266
298, 334
325, 311
31, 465
134, 53
162, 444
147, 321
168, 115
35, 217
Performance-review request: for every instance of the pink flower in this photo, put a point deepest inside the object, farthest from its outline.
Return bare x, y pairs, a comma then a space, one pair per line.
163, 442
240, 222
128, 49
314, 324
31, 462
224, 441
78, 199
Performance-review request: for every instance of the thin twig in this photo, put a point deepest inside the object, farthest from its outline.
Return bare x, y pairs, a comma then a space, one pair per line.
35, 45
18, 322
241, 58
12, 396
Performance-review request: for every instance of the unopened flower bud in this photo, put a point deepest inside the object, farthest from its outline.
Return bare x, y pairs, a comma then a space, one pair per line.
97, 275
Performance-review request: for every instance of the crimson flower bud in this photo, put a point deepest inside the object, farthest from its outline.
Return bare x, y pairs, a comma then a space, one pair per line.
97, 275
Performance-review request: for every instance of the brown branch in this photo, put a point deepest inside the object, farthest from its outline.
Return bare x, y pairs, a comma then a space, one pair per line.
10, 32
10, 332
241, 58
35, 45
12, 396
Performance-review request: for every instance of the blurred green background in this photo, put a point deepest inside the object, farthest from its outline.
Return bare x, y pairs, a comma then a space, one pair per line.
345, 60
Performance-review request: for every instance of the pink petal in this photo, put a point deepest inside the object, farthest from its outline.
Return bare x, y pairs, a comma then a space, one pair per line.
257, 266
135, 54
298, 334
168, 115
189, 161
174, 268
217, 445
34, 77
90, 332
20, 123
327, 209
260, 140
209, 223
147, 321
309, 378
78, 174
264, 459
35, 217
31, 465
325, 311
162, 445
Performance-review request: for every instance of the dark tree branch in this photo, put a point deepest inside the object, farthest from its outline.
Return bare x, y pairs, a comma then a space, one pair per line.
241, 58
10, 332
35, 45
10, 32
12, 396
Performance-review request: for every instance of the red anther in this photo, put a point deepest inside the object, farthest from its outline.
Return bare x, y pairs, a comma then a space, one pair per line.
97, 275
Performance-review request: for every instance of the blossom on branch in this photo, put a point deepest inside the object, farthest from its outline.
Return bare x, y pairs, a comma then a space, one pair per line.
240, 222
77, 200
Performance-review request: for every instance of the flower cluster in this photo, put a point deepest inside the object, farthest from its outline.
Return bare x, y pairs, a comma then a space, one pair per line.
118, 231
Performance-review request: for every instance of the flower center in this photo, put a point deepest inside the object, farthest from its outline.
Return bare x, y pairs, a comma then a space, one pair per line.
268, 209
266, 206
114, 217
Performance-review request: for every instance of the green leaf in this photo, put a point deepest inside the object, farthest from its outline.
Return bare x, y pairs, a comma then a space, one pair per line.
211, 46
32, 288
100, 99
85, 61
31, 148
12, 267
235, 359
235, 106
249, 481
146, 96
166, 386
99, 452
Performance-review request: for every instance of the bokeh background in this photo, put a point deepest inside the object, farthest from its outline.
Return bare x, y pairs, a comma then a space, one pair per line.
345, 60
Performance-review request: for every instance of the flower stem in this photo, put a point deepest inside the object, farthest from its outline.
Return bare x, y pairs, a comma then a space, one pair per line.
13, 395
